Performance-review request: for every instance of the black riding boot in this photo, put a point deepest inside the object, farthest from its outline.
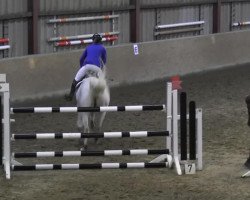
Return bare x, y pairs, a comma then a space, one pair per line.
70, 96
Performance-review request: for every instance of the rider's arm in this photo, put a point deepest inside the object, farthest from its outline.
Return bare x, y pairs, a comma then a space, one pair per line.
104, 56
84, 55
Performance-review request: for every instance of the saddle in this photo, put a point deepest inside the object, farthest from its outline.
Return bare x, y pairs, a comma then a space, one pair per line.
89, 73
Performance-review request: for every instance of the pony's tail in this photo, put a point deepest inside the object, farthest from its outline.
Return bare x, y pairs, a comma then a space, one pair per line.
98, 84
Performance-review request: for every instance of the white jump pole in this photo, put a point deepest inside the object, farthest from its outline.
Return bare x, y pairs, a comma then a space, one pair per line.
4, 92
169, 116
175, 132
4, 47
179, 25
79, 19
85, 36
199, 139
169, 123
87, 41
241, 23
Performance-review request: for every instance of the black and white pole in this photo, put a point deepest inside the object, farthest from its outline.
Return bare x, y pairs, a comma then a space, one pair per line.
90, 153
88, 166
132, 134
87, 109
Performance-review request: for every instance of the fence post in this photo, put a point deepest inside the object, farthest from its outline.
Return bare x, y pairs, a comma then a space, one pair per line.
33, 7
216, 16
135, 21
6, 159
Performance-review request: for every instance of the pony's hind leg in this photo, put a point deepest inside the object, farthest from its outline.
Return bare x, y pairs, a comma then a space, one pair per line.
84, 146
80, 127
83, 125
98, 121
85, 141
102, 100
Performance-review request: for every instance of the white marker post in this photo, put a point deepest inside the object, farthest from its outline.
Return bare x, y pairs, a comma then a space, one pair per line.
136, 49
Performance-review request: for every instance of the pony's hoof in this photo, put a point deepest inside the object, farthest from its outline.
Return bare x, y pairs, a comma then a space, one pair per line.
83, 149
92, 125
96, 141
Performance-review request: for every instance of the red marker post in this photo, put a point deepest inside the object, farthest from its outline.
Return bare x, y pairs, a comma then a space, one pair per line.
176, 82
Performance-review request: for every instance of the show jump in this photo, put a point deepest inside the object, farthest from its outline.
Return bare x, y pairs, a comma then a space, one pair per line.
183, 135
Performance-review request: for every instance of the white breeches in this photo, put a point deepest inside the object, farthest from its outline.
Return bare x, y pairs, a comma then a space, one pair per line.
85, 69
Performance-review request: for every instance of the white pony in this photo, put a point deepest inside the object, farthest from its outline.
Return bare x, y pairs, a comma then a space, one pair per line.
92, 92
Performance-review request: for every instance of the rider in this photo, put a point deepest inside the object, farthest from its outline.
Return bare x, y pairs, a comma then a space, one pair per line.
93, 58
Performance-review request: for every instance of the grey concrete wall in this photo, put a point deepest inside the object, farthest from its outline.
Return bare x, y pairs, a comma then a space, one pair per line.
46, 75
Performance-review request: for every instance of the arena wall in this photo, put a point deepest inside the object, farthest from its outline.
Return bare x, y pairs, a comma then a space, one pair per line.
47, 75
